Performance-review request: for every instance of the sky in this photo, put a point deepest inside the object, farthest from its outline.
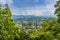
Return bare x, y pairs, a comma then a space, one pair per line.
31, 7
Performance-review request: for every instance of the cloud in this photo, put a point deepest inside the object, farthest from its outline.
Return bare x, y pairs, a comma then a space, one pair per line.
9, 2
47, 10
28, 11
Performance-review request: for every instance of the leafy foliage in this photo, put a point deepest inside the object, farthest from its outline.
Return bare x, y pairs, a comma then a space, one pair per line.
8, 29
24, 35
57, 11
49, 31
50, 28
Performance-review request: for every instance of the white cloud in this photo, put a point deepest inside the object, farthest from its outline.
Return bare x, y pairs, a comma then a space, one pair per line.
37, 10
51, 2
47, 10
9, 2
17, 11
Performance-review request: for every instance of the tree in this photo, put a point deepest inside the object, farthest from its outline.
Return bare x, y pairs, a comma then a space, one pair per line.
8, 29
50, 28
24, 35
50, 31
57, 11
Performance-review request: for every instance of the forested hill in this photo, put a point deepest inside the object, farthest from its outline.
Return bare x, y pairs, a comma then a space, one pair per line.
29, 17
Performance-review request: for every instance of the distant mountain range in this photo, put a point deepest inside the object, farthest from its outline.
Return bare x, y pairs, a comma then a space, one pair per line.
17, 17
28, 17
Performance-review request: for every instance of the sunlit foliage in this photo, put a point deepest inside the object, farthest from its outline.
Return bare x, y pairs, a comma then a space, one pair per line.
8, 29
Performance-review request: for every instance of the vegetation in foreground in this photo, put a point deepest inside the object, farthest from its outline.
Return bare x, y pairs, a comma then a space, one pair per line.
8, 29
50, 28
